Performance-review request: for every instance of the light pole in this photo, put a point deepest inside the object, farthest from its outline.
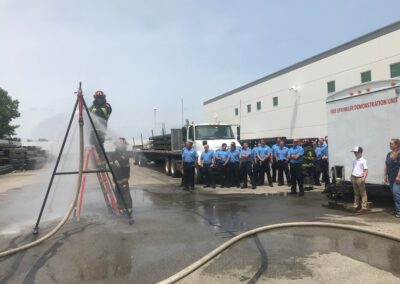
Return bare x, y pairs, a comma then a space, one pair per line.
155, 120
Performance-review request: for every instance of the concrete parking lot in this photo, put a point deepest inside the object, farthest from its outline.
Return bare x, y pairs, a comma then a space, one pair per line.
174, 228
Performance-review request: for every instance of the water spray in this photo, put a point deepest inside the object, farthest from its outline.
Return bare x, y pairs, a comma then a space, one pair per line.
81, 106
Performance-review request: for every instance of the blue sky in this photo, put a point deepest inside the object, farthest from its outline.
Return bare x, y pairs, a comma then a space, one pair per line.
151, 54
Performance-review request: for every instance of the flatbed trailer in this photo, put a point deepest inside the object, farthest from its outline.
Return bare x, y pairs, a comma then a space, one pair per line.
167, 149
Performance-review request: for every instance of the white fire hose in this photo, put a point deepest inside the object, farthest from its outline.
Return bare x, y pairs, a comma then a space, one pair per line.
194, 266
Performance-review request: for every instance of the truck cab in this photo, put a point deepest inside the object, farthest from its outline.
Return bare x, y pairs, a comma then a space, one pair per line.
214, 133
166, 149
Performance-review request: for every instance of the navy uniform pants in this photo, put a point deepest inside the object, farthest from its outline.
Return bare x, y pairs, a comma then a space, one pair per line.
188, 175
283, 168
247, 171
223, 174
264, 167
274, 168
233, 174
296, 177
317, 172
208, 174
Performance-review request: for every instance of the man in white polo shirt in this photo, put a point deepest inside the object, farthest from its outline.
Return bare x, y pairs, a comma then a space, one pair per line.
358, 176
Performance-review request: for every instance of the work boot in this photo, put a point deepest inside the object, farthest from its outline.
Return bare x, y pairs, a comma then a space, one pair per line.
292, 192
253, 186
271, 185
131, 221
244, 186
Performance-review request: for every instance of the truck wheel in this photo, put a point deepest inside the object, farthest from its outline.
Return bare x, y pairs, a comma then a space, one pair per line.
174, 168
135, 160
167, 166
142, 161
197, 176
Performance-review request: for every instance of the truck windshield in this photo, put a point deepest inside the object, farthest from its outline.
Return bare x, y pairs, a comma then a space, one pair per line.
213, 132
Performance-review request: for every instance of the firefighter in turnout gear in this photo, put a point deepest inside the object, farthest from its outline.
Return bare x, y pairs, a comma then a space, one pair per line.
119, 160
308, 165
100, 111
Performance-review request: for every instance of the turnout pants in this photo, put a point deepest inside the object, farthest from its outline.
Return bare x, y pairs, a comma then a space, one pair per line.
274, 168
264, 167
296, 177
208, 175
233, 174
283, 168
359, 189
308, 174
188, 175
125, 198
247, 172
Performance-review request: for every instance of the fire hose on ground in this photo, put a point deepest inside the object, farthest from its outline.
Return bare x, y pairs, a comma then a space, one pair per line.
208, 257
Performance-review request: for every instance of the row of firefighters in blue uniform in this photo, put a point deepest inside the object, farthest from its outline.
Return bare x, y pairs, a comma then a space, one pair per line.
302, 165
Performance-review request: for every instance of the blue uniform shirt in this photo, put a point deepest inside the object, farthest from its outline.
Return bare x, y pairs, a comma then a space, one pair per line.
296, 150
324, 150
254, 152
318, 152
245, 152
189, 156
281, 153
222, 154
234, 156
264, 151
207, 157
274, 148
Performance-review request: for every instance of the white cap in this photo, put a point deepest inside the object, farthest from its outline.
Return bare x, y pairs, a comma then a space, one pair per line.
357, 149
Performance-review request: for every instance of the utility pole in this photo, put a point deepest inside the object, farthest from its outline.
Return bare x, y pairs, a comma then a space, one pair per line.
155, 120
182, 111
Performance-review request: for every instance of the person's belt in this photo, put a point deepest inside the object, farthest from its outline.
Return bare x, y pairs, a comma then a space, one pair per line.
356, 176
188, 163
207, 164
284, 160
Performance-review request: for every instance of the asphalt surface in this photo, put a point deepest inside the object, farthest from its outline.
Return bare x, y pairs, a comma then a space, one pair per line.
174, 228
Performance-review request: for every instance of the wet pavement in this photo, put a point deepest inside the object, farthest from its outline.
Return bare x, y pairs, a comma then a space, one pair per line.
174, 228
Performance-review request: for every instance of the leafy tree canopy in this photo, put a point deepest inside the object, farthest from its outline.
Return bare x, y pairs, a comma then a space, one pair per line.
8, 111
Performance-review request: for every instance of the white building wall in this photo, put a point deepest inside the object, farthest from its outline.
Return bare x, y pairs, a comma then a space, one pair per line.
302, 113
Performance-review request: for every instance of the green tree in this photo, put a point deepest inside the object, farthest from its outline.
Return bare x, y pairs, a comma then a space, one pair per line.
8, 111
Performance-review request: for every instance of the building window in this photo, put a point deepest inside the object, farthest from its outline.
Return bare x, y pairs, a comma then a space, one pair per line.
248, 108
366, 76
236, 111
331, 86
395, 70
275, 101
258, 105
